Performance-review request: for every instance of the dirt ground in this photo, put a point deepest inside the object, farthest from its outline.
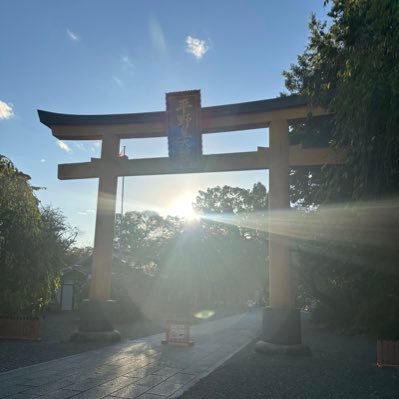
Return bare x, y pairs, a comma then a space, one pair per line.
342, 367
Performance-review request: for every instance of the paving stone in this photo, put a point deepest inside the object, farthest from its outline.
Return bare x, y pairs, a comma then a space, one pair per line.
10, 390
167, 371
165, 388
60, 394
131, 391
145, 367
113, 358
175, 363
9, 384
116, 384
107, 367
104, 389
43, 389
151, 380
142, 372
94, 393
35, 382
22, 396
125, 369
85, 384
181, 378
195, 369
141, 361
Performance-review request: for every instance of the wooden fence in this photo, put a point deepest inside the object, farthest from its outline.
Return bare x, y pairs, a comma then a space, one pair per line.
387, 353
22, 327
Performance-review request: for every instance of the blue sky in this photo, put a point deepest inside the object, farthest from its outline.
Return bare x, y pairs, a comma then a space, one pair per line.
93, 57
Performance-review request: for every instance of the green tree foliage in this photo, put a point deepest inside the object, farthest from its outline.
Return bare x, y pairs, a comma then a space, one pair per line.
241, 252
141, 237
235, 204
232, 200
350, 66
33, 242
78, 255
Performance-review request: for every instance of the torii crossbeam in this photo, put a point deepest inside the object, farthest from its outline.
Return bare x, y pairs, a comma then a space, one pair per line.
183, 123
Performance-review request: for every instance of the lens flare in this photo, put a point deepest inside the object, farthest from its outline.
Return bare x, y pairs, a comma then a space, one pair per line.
365, 226
204, 314
183, 207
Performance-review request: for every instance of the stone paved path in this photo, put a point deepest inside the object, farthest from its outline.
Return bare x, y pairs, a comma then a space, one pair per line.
143, 368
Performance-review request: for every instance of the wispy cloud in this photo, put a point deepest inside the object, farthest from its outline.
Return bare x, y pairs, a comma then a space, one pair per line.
43, 160
63, 146
6, 110
117, 81
87, 211
127, 63
196, 47
95, 146
80, 146
157, 35
73, 35
126, 69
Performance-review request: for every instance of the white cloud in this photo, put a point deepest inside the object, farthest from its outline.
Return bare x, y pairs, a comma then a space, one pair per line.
63, 146
43, 160
81, 213
196, 47
90, 211
6, 111
72, 35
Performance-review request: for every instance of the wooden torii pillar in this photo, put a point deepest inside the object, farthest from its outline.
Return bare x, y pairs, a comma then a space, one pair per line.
281, 320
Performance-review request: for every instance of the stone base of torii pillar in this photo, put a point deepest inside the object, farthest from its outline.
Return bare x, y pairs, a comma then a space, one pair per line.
96, 322
282, 333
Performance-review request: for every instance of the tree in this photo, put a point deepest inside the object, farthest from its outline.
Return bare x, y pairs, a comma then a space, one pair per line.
350, 66
141, 237
235, 204
234, 200
33, 242
241, 252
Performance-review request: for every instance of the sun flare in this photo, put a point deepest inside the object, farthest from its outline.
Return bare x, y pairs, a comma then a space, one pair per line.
182, 207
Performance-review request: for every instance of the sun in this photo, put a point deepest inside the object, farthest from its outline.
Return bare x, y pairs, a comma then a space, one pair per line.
182, 207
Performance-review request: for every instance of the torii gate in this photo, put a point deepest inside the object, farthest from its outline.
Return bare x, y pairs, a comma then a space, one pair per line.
183, 123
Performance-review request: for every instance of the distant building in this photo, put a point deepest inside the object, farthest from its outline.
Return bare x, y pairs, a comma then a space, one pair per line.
72, 280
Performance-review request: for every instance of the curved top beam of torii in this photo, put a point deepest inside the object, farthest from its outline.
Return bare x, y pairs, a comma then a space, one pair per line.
221, 118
